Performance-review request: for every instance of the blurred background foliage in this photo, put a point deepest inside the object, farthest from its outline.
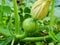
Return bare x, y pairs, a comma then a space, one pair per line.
24, 9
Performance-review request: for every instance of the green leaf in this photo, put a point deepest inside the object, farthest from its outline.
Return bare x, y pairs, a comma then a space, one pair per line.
53, 36
7, 10
39, 43
51, 43
27, 10
4, 31
6, 41
58, 44
58, 36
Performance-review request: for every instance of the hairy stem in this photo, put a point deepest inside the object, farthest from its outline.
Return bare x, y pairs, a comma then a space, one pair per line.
16, 17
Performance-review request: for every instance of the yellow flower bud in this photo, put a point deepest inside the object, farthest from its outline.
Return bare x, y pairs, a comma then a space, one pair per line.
40, 9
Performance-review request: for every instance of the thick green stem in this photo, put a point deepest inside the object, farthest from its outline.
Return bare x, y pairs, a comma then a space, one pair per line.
22, 36
32, 39
16, 17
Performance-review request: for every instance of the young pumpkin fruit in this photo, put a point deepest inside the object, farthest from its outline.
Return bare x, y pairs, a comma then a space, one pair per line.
40, 9
29, 25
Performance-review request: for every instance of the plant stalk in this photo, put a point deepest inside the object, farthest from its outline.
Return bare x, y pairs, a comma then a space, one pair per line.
32, 39
51, 33
16, 17
52, 16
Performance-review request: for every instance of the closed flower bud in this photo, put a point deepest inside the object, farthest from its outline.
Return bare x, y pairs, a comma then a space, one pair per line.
40, 9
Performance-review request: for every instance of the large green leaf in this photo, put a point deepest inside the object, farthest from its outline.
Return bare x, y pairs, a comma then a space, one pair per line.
6, 10
4, 31
6, 41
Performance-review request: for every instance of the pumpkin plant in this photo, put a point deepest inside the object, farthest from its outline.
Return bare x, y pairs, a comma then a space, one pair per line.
28, 25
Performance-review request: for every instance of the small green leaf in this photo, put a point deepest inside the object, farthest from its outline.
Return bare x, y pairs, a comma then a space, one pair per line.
39, 43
